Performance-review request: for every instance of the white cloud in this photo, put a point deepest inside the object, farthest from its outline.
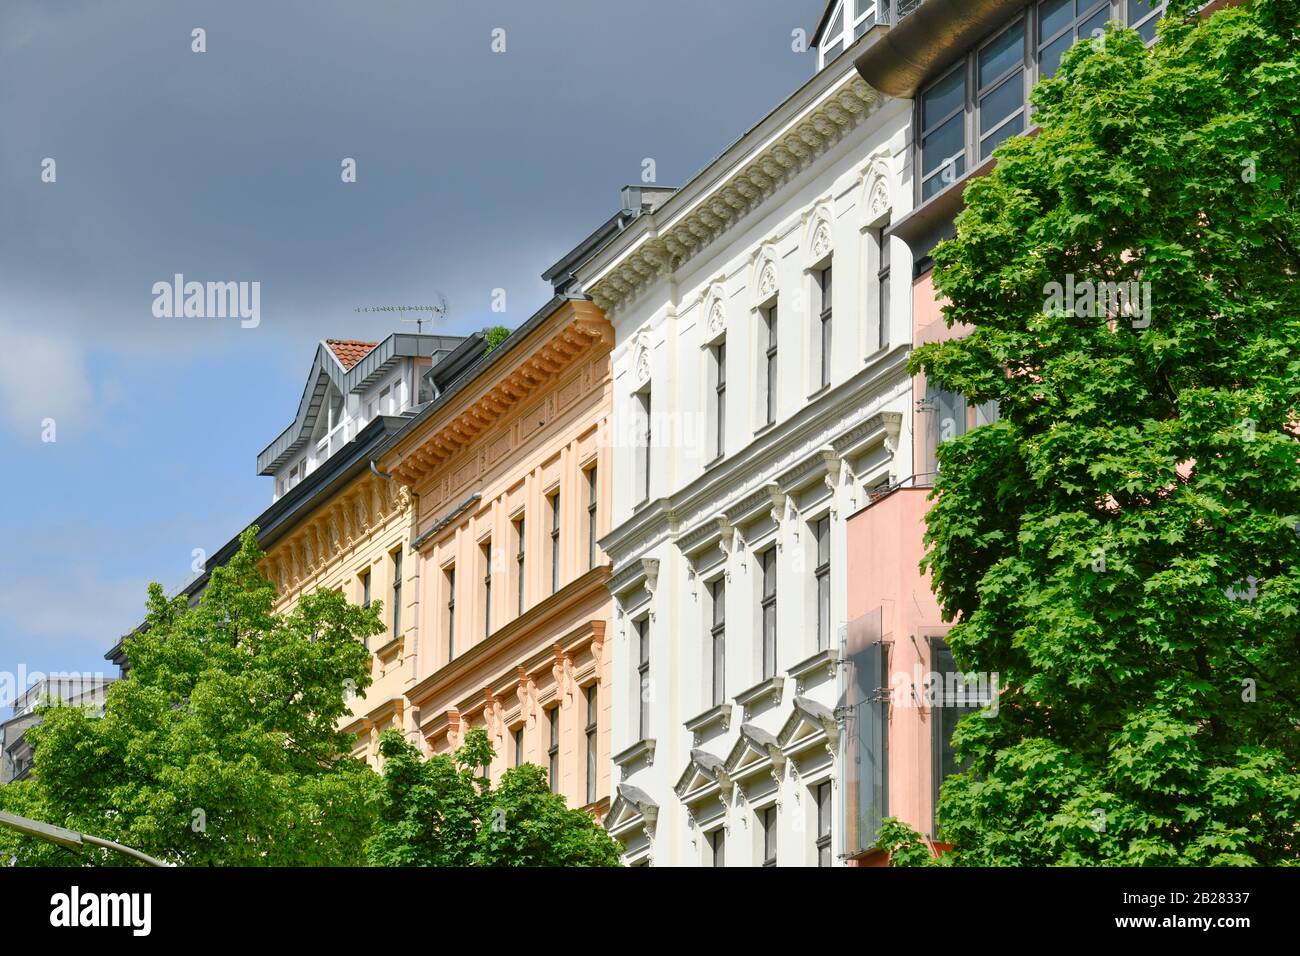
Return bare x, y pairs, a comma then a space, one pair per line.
45, 377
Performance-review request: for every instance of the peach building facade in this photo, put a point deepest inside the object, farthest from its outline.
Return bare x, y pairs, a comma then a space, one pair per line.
510, 483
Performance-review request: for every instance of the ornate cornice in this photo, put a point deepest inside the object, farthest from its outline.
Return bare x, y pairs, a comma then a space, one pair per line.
783, 155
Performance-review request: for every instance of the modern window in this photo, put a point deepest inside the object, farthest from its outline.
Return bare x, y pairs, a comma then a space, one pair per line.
882, 289
643, 677
397, 593
770, 363
943, 131
823, 794
824, 284
520, 569
519, 745
767, 827
718, 847
450, 578
983, 99
554, 502
486, 549
720, 399
953, 699
767, 611
592, 741
1001, 88
592, 499
553, 748
718, 637
822, 573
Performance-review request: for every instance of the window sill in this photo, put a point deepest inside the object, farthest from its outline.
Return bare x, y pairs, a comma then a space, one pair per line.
718, 717
767, 692
713, 463
815, 669
821, 390
764, 428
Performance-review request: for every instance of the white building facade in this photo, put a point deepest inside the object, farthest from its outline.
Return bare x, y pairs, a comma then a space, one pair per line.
760, 392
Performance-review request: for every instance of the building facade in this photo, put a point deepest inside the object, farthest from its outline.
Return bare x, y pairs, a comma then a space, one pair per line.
511, 481
760, 391
59, 690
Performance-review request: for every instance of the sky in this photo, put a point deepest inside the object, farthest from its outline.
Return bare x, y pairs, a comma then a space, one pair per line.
128, 440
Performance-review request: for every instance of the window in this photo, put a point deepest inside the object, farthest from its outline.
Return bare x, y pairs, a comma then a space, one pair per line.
943, 131
824, 283
643, 408
718, 847
519, 745
769, 322
882, 290
1142, 16
592, 730
520, 576
365, 596
718, 590
397, 593
823, 576
767, 823
592, 498
953, 699
554, 501
643, 677
767, 608
823, 794
486, 549
851, 20
720, 398
553, 750
1001, 88
450, 574
1063, 22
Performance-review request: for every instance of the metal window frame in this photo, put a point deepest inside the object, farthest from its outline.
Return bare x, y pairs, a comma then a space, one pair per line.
1023, 67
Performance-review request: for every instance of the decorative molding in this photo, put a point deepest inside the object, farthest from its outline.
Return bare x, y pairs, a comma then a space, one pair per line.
669, 245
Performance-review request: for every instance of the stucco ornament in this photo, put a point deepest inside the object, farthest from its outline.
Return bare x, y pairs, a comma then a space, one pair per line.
717, 319
767, 281
641, 365
821, 243
878, 197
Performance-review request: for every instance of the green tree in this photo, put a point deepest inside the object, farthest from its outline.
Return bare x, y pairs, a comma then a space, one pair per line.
221, 747
441, 812
1121, 545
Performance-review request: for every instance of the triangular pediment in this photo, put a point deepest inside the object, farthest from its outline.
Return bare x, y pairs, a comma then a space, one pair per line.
751, 753
700, 778
807, 726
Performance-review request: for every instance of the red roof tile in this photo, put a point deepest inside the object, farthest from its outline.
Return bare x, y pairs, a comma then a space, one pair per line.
349, 351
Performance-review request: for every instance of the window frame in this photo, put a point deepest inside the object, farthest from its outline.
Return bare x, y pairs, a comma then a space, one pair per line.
767, 612
826, 286
719, 353
396, 556
642, 627
520, 530
593, 506
769, 821
825, 822
822, 577
449, 579
553, 503
718, 641
485, 549
771, 352
553, 747
592, 731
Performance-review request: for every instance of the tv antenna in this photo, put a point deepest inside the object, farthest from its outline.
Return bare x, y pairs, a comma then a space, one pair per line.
435, 311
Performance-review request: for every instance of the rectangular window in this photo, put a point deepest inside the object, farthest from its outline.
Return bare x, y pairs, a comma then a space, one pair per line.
824, 824
592, 498
825, 285
1061, 23
593, 729
1001, 88
519, 746
520, 575
450, 577
365, 597
823, 576
767, 608
770, 365
643, 400
486, 549
643, 677
954, 698
882, 298
943, 131
767, 820
553, 750
718, 633
1142, 16
554, 501
720, 399
397, 593
718, 847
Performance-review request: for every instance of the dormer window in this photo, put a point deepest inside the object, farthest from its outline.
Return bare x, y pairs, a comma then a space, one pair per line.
850, 19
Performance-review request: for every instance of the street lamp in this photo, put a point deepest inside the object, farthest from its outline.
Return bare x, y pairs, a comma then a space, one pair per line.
70, 838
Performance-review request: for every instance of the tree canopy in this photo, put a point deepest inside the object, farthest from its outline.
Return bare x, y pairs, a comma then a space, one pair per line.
1120, 546
442, 812
221, 746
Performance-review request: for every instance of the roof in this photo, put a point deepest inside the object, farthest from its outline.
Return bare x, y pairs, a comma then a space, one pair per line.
349, 351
